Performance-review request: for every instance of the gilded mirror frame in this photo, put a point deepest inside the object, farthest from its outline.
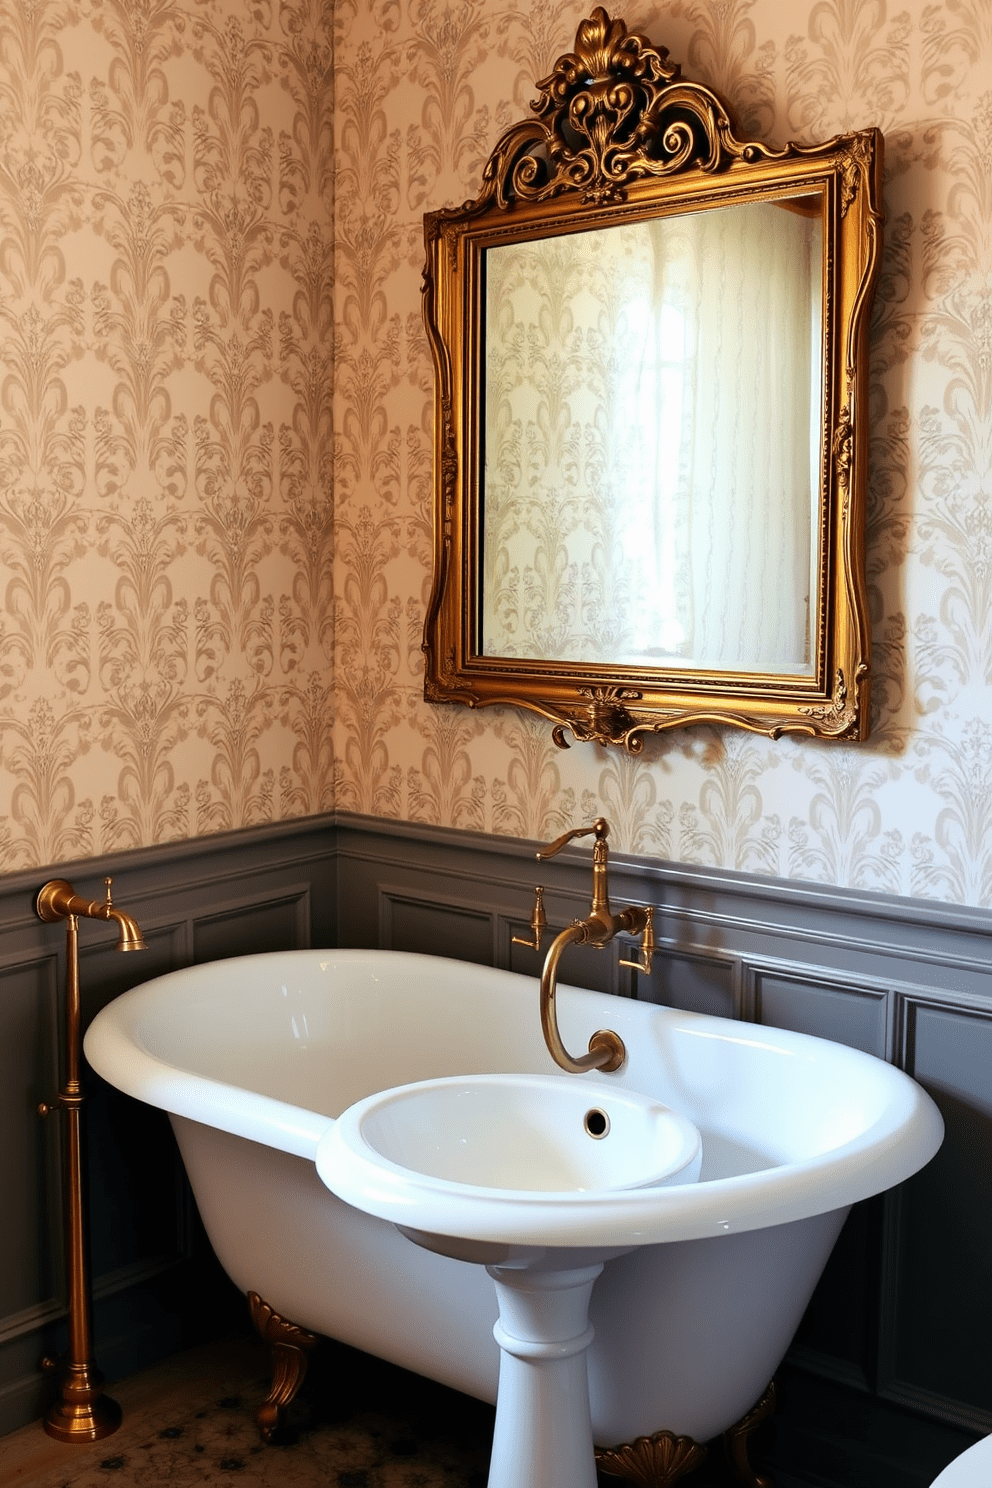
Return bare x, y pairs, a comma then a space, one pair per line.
618, 135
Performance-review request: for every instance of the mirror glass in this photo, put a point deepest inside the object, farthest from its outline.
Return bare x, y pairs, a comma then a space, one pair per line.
652, 442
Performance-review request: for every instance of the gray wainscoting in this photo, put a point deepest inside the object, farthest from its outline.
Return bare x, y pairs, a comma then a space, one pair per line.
889, 1375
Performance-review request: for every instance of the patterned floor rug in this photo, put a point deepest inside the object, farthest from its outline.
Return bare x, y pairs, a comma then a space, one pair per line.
360, 1424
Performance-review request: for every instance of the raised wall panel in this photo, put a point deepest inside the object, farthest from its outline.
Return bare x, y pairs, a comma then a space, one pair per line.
838, 1336
694, 983
432, 926
135, 1181
105, 972
30, 1253
24, 1391
807, 1002
258, 925
938, 1287
138, 1210
838, 1333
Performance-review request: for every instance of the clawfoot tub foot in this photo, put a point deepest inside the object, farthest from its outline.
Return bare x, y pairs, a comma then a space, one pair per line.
289, 1346
652, 1461
658, 1461
735, 1440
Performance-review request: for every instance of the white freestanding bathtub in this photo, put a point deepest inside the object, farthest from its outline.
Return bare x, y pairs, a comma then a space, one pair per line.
254, 1057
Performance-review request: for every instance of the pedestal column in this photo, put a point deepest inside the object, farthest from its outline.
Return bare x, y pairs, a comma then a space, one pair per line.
543, 1435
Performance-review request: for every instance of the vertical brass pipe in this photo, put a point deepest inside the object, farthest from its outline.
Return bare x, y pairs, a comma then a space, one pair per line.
81, 1411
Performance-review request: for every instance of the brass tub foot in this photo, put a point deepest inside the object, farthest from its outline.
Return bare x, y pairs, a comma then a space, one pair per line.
660, 1460
289, 1346
735, 1440
652, 1461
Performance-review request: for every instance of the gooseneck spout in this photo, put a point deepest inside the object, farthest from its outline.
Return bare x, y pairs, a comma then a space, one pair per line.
601, 925
607, 1051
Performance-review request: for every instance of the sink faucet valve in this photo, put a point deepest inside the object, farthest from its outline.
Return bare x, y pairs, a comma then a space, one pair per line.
538, 922
648, 945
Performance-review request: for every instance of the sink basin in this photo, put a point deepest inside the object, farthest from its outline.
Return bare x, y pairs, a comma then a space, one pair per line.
485, 1157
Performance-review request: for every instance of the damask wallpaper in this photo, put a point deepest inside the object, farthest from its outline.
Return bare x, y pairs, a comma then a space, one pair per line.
213, 361
165, 414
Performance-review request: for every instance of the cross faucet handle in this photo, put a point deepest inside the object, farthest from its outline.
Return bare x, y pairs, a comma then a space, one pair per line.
538, 922
648, 945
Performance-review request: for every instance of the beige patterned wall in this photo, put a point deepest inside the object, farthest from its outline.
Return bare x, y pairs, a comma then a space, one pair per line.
166, 454
165, 413
423, 89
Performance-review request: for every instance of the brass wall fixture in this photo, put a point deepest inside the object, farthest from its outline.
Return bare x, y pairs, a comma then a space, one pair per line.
606, 1048
81, 1412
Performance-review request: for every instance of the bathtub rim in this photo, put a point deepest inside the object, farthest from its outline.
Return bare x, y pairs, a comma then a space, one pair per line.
901, 1140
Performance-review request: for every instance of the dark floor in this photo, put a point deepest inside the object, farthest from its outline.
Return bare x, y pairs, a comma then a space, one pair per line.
358, 1423
191, 1422
361, 1423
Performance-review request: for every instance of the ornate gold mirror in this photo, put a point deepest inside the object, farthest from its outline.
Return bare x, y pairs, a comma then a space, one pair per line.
650, 413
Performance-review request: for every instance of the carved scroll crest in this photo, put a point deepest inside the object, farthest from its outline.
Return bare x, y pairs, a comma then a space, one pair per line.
613, 111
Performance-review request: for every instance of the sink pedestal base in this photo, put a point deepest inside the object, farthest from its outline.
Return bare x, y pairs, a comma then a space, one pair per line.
543, 1434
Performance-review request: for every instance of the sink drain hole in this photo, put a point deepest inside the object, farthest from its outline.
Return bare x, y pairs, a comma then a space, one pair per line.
596, 1122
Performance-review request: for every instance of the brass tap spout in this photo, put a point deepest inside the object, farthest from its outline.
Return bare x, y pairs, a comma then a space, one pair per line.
601, 925
58, 900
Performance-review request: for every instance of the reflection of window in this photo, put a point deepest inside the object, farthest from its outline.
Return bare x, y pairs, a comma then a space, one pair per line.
661, 367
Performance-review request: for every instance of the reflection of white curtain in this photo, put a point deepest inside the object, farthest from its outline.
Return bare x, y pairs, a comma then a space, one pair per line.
643, 503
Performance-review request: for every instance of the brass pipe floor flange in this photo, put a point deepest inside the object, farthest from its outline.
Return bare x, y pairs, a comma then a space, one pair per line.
82, 1413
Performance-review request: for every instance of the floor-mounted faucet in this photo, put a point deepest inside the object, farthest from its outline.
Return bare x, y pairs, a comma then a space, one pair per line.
601, 925
81, 1411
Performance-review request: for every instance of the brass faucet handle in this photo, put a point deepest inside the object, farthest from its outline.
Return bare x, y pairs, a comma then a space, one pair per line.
538, 922
600, 827
107, 884
648, 945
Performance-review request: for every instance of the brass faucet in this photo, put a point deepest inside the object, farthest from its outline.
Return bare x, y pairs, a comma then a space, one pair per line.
81, 1411
58, 900
601, 925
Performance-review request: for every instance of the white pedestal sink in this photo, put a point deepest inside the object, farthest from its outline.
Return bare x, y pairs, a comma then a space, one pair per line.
520, 1173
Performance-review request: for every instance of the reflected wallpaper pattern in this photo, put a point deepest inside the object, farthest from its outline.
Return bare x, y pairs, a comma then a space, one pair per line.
213, 363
